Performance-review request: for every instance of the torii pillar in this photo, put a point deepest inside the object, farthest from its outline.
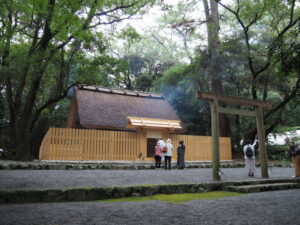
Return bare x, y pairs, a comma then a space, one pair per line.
216, 109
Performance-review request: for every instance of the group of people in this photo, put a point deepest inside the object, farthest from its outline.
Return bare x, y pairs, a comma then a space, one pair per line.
164, 152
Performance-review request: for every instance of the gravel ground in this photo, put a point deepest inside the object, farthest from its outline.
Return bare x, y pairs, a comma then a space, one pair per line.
39, 179
268, 208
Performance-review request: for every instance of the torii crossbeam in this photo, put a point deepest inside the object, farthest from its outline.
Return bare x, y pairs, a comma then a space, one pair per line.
216, 109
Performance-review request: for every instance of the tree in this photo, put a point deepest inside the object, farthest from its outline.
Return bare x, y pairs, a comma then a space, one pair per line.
179, 85
213, 49
39, 43
277, 22
270, 28
145, 57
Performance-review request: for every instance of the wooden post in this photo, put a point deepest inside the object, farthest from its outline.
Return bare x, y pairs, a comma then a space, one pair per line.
261, 138
142, 143
215, 139
215, 109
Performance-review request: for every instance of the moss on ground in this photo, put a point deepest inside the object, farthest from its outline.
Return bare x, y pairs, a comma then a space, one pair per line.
177, 198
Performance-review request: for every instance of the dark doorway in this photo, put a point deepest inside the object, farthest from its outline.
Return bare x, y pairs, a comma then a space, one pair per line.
151, 142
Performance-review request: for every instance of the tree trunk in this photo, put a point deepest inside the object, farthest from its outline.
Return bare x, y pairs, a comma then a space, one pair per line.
212, 17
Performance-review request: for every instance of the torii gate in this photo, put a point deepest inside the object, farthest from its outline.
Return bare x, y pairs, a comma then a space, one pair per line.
216, 109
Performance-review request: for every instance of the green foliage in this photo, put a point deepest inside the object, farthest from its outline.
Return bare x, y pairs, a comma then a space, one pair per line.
177, 198
130, 35
179, 85
279, 152
48, 46
283, 129
150, 55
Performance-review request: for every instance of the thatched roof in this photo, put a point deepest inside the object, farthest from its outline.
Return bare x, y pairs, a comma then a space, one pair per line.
108, 108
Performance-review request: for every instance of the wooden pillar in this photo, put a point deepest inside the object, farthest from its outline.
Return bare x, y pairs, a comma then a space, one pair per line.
215, 139
142, 143
261, 139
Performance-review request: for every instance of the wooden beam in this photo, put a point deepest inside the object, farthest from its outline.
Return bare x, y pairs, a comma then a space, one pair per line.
233, 99
236, 111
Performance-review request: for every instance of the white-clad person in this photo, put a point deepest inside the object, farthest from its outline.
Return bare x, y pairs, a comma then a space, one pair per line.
162, 144
249, 155
168, 154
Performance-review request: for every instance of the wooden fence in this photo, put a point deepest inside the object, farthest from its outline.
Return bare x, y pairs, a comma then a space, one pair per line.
198, 148
80, 144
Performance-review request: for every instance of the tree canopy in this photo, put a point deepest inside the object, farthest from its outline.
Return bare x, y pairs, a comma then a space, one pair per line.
46, 48
237, 48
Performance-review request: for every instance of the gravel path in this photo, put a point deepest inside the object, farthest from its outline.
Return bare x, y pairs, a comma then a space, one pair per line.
268, 208
39, 179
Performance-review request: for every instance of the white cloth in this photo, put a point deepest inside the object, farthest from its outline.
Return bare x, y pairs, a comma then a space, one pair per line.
252, 148
250, 162
162, 144
250, 165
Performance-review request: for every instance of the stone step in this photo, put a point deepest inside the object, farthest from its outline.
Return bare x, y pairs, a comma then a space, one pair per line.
110, 192
263, 187
100, 193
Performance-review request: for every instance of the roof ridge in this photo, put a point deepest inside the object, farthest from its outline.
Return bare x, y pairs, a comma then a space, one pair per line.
120, 91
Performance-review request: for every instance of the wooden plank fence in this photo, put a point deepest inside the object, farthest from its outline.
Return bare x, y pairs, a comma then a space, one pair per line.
198, 148
80, 144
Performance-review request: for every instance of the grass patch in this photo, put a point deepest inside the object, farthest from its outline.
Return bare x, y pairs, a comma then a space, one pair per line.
77, 188
177, 198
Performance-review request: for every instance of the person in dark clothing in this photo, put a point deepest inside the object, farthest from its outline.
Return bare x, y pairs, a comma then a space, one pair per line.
180, 155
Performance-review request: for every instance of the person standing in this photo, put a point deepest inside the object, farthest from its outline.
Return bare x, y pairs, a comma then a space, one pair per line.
168, 154
296, 160
249, 155
180, 155
162, 144
157, 155
295, 154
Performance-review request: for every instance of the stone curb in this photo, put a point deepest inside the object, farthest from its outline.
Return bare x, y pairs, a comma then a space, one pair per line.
263, 187
112, 165
102, 166
90, 194
66, 166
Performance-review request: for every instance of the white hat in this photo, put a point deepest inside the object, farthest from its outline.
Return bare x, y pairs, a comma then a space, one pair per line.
168, 140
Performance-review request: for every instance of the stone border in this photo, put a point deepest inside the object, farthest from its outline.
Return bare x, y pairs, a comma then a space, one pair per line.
13, 165
90, 194
111, 165
263, 187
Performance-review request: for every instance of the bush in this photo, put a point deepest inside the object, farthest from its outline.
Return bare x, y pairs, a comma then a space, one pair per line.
278, 152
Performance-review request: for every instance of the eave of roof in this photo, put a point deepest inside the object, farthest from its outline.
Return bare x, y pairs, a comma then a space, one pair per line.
121, 92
